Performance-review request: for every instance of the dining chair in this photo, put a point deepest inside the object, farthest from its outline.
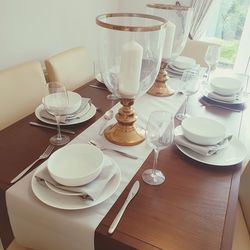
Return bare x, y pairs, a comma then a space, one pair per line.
241, 238
72, 67
197, 50
21, 91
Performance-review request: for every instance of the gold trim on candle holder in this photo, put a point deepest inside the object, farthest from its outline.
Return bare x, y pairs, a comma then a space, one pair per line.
169, 6
101, 21
124, 133
160, 87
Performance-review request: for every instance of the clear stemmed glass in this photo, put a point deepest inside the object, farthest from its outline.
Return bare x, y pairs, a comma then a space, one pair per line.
159, 135
212, 57
55, 102
189, 85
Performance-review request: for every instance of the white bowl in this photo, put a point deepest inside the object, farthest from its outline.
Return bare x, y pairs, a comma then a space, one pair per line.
183, 62
75, 101
75, 165
226, 85
203, 131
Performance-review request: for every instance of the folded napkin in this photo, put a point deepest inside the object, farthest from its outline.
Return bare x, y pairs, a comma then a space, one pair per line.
77, 114
231, 106
90, 191
219, 97
200, 149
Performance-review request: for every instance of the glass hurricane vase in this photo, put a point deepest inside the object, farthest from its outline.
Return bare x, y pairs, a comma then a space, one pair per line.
130, 50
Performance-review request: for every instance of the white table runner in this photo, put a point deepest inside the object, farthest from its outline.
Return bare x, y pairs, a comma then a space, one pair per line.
38, 226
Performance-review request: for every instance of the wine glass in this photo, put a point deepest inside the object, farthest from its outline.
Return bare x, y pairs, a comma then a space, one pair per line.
189, 85
55, 102
211, 58
159, 135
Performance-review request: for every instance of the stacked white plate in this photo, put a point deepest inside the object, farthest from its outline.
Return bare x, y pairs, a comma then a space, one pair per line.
76, 176
176, 68
227, 90
80, 110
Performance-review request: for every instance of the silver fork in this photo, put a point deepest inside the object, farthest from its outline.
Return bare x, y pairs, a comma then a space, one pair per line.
44, 155
111, 149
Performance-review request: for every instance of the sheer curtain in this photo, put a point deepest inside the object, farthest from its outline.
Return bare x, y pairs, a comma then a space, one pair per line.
200, 18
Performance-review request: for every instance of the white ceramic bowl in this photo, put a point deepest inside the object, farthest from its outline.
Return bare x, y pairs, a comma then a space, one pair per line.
183, 62
226, 85
75, 101
203, 131
75, 165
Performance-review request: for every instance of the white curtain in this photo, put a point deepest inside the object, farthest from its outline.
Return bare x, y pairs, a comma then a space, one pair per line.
201, 18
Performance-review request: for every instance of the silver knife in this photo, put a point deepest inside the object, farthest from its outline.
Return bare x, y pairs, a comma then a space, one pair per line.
131, 195
98, 87
51, 127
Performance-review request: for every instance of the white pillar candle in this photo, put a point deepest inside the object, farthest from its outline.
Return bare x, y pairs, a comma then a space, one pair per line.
130, 69
169, 40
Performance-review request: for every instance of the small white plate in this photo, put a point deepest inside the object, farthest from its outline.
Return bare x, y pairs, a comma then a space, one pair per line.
233, 154
83, 118
184, 62
61, 201
241, 99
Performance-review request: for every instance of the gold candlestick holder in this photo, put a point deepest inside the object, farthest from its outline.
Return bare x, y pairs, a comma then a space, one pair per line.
160, 87
124, 132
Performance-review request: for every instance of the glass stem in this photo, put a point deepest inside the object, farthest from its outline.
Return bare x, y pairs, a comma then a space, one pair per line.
156, 154
59, 135
185, 106
208, 73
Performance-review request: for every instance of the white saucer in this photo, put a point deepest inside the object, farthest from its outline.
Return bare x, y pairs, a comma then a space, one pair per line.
83, 118
62, 201
242, 97
233, 154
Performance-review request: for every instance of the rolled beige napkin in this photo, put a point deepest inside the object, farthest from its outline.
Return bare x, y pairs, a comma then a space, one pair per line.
89, 191
201, 149
78, 113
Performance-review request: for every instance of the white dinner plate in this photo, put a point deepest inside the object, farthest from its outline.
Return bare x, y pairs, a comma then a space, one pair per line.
233, 154
241, 99
61, 201
83, 118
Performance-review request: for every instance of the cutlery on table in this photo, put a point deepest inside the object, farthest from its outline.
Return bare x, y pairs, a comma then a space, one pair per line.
111, 149
98, 87
44, 155
51, 127
131, 195
107, 116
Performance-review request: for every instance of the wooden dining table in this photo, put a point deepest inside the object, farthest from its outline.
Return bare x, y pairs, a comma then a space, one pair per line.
193, 209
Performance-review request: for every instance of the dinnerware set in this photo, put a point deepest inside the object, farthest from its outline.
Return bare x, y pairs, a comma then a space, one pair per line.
226, 92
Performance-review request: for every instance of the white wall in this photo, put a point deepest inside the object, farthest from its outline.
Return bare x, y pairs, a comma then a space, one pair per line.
35, 29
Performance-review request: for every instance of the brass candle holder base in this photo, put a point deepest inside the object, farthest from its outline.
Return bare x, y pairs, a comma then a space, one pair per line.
160, 87
124, 132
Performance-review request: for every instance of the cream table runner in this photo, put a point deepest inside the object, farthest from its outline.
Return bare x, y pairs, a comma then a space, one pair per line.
38, 226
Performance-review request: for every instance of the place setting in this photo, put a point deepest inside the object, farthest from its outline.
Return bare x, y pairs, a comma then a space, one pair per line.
76, 176
225, 92
177, 66
208, 141
71, 107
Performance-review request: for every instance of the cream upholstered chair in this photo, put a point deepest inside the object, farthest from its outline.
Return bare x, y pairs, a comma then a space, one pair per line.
21, 91
197, 50
241, 240
72, 67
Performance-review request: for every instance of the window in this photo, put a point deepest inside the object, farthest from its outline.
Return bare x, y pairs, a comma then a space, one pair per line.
226, 28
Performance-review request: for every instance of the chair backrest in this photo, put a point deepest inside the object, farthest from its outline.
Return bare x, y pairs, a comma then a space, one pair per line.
21, 91
73, 68
197, 50
244, 194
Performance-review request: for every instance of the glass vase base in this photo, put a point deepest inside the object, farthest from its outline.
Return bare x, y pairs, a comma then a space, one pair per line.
55, 140
153, 177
